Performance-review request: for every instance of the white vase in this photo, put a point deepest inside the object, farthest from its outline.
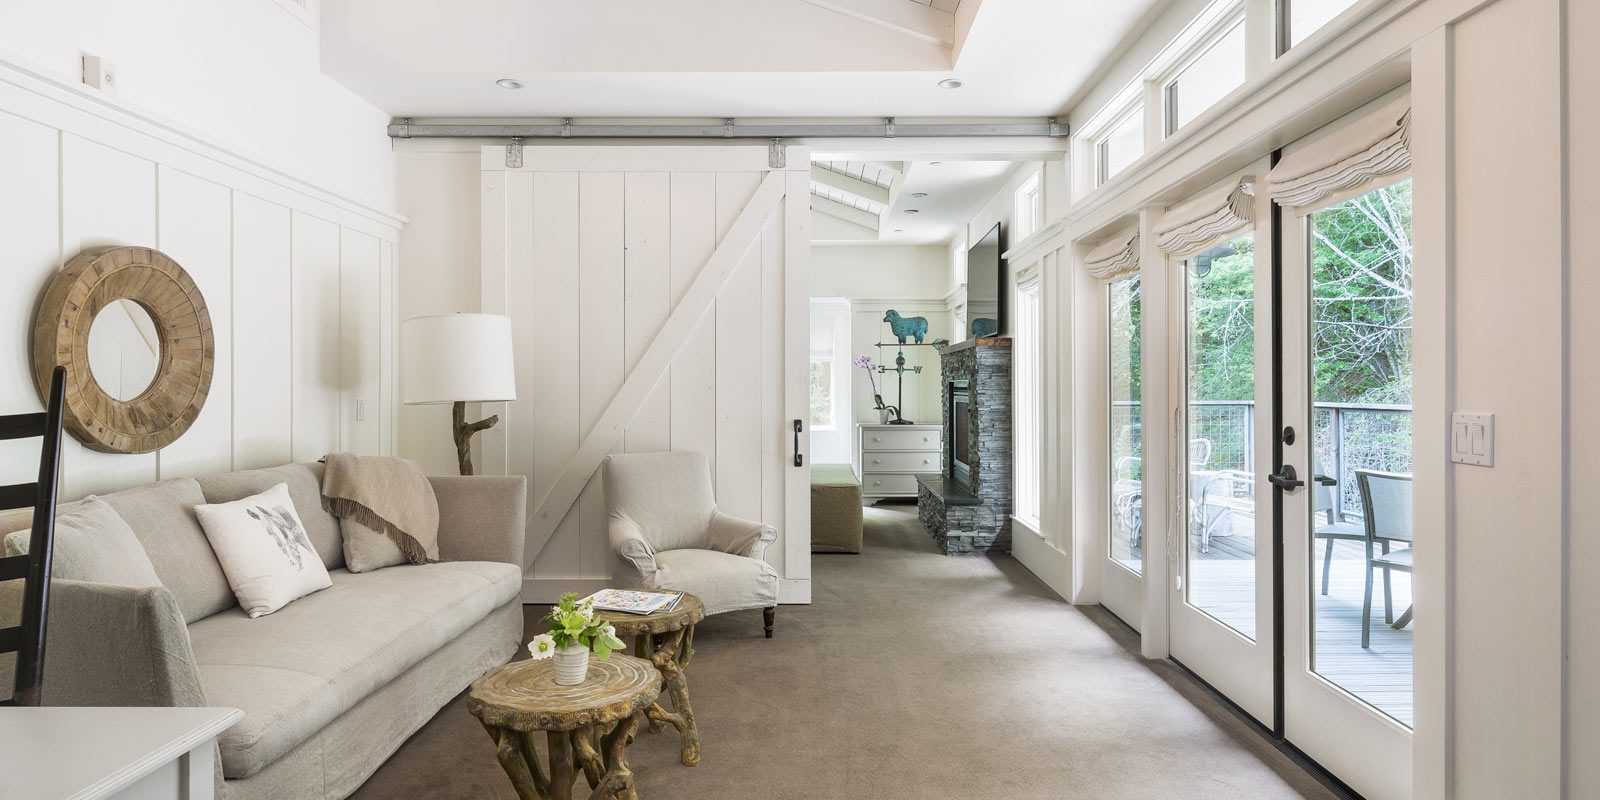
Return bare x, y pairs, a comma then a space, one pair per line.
572, 664
883, 416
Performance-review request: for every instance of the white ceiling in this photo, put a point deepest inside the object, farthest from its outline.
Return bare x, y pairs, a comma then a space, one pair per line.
955, 192
715, 58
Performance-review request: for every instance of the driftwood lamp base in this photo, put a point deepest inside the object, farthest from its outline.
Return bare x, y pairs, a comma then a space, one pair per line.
464, 432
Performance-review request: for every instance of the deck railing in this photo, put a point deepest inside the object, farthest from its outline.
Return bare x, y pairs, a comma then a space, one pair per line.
1346, 436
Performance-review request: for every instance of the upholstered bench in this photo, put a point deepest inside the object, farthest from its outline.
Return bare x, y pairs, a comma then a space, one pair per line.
835, 509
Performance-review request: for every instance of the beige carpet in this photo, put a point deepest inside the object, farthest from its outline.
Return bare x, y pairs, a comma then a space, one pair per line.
912, 676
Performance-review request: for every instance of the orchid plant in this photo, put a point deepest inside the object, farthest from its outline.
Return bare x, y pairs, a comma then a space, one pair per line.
572, 623
871, 368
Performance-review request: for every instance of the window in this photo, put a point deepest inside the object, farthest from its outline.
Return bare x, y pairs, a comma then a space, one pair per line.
1301, 18
822, 395
1026, 388
1210, 76
1027, 215
1126, 461
1120, 146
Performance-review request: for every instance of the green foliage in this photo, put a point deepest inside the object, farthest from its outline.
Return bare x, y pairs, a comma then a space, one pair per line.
572, 622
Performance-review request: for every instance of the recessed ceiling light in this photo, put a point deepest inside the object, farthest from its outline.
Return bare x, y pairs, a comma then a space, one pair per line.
509, 83
950, 83
919, 195
935, 163
913, 211
899, 230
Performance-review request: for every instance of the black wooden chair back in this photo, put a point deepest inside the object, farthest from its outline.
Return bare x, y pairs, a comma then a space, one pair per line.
33, 567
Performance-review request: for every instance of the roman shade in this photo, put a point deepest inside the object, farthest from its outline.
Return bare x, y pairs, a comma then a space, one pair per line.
1027, 278
1116, 257
1373, 147
1192, 226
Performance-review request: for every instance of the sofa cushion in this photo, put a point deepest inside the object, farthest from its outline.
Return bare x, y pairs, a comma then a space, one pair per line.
162, 516
305, 489
295, 671
93, 544
722, 581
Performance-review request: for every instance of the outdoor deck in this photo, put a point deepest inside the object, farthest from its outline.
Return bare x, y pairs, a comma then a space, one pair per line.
1222, 583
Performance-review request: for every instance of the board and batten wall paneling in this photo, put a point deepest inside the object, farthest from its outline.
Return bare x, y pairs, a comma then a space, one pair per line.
194, 227
30, 226
360, 376
596, 257
264, 249
108, 197
314, 317
262, 388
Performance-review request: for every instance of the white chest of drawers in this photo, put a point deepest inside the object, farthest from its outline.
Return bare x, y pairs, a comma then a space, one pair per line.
892, 456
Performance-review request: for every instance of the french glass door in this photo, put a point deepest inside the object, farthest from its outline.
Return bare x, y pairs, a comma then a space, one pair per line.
1345, 484
1220, 598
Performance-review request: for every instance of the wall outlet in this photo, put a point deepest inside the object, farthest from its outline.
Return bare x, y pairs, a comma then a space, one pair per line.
100, 73
1472, 439
361, 409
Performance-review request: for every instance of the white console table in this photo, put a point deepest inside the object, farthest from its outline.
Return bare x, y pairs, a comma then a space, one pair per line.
121, 753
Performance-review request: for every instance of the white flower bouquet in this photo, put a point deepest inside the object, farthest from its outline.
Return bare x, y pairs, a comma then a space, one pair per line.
572, 627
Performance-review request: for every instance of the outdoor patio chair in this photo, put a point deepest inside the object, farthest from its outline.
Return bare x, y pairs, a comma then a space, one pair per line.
1387, 498
1325, 500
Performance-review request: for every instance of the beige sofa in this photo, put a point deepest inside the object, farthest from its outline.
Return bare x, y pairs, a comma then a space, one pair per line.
332, 684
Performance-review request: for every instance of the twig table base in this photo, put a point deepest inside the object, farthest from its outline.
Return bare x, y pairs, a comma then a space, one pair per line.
671, 657
586, 727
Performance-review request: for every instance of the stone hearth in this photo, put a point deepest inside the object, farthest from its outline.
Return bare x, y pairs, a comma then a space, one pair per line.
973, 516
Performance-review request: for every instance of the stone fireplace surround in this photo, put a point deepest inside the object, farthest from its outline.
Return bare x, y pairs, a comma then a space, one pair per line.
974, 519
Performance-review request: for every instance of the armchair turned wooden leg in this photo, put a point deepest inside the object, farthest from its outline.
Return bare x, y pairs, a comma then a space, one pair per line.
766, 617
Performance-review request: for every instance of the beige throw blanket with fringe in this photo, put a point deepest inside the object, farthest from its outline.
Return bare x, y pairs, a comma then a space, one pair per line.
386, 494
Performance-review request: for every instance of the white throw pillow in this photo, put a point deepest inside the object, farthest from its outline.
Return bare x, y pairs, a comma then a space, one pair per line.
264, 550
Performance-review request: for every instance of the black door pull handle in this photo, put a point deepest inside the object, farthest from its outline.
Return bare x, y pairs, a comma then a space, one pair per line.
799, 460
1285, 478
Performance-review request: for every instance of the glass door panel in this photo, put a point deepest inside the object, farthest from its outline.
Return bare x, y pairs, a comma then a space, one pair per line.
1220, 388
1361, 639
1125, 537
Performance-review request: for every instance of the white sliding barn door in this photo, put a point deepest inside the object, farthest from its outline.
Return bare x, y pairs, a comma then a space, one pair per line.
659, 298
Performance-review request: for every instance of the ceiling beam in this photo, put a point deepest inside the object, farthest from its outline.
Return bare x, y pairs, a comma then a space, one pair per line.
851, 186
911, 19
834, 208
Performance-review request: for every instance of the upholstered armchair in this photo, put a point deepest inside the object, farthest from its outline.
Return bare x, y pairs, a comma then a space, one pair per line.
666, 533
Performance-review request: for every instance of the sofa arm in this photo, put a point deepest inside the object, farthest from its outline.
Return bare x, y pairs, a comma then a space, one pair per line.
482, 517
116, 646
741, 537
635, 559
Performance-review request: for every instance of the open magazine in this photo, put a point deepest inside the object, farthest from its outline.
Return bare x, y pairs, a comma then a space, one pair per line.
631, 602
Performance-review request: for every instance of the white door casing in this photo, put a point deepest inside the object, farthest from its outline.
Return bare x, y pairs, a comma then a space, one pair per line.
659, 300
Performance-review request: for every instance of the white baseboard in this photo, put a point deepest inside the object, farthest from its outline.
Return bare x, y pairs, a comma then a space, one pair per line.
546, 591
1047, 563
794, 592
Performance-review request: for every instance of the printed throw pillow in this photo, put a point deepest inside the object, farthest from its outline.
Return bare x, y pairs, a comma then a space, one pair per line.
264, 550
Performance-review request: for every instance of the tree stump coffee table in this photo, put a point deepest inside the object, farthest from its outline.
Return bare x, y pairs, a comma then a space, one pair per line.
671, 658
586, 727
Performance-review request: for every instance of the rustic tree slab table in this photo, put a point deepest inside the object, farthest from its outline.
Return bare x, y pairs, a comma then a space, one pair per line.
586, 727
671, 658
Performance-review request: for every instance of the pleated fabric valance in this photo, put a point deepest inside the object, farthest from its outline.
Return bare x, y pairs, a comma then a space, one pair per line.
1027, 278
1192, 226
1118, 256
1374, 147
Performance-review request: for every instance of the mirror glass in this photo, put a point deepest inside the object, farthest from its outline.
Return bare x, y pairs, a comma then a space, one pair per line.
124, 350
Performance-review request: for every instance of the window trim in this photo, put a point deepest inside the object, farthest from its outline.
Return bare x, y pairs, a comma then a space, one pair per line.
1101, 141
1030, 195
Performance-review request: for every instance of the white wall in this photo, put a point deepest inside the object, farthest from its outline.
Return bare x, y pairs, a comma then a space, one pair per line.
242, 74
913, 280
298, 282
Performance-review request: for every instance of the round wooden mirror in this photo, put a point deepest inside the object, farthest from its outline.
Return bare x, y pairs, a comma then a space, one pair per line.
131, 328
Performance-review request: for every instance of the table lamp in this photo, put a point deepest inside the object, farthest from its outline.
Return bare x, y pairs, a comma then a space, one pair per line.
460, 359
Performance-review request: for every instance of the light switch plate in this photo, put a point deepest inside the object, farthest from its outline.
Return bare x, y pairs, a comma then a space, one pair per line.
1472, 439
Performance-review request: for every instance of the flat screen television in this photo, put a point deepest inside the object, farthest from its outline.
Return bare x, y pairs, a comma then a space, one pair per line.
986, 286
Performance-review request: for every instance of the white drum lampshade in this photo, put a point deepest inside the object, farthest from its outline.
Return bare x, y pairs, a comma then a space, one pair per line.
459, 359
